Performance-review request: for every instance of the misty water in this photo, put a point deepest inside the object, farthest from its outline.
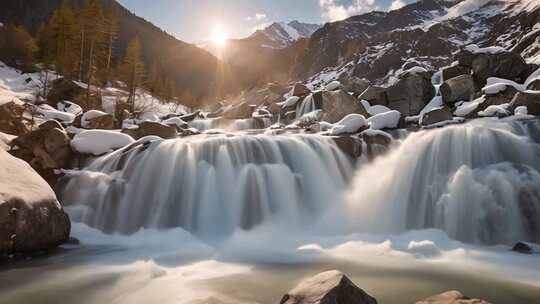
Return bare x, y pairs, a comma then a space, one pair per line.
242, 218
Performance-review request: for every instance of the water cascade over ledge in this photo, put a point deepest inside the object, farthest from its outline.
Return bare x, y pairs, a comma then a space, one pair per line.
479, 182
210, 185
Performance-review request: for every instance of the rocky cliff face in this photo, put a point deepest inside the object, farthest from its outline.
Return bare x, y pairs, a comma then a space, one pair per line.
377, 45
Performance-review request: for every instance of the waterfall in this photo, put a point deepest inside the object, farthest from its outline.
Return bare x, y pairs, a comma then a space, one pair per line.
210, 185
230, 124
306, 106
479, 182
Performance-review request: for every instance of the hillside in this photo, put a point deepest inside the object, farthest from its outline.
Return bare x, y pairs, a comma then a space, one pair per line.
192, 68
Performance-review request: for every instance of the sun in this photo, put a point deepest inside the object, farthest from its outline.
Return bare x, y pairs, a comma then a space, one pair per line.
219, 37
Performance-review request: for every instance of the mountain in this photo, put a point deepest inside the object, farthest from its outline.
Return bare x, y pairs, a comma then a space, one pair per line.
281, 35
192, 68
376, 45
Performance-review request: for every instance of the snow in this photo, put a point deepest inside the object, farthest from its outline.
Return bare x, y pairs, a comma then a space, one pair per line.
377, 109
385, 120
473, 48
49, 112
371, 132
5, 139
291, 101
332, 86
19, 181
495, 110
13, 85
467, 108
85, 120
98, 142
521, 110
455, 120
416, 69
349, 124
175, 121
464, 7
494, 88
69, 107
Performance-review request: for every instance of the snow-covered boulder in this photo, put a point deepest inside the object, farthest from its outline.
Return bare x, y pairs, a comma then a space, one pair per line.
87, 117
98, 142
148, 128
330, 287
31, 219
69, 107
468, 108
176, 121
350, 124
384, 120
332, 86
495, 110
49, 112
290, 102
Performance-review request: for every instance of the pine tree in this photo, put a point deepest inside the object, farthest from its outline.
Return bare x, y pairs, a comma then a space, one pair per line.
132, 70
62, 28
111, 33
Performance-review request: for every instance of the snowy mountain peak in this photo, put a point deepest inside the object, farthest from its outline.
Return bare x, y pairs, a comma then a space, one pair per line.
281, 34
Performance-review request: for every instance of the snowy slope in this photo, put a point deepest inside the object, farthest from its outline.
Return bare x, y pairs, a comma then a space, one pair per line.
281, 34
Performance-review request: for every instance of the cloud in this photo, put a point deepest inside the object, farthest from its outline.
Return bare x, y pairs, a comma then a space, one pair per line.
256, 17
396, 4
332, 11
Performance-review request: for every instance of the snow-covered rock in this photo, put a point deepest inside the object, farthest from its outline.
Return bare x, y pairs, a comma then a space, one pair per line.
351, 123
88, 116
31, 217
69, 107
495, 110
467, 108
49, 112
98, 142
334, 85
290, 102
177, 121
385, 120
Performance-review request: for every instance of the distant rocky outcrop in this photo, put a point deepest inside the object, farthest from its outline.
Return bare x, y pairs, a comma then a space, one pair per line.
31, 219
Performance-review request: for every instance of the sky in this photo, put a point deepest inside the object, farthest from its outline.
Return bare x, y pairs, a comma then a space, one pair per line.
196, 21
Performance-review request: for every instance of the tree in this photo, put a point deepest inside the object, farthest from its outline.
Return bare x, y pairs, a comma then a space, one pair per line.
132, 70
17, 46
61, 38
111, 33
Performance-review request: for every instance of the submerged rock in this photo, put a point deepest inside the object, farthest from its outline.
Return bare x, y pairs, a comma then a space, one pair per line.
330, 287
31, 219
451, 297
524, 247
148, 128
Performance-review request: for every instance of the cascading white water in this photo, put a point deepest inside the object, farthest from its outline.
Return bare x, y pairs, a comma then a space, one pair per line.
306, 106
210, 185
479, 182
230, 124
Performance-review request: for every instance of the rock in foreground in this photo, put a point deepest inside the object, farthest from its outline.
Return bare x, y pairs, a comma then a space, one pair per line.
451, 297
31, 219
330, 287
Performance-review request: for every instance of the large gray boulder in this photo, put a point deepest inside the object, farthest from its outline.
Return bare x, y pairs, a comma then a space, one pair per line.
451, 297
31, 218
458, 89
502, 64
356, 85
436, 115
301, 90
530, 99
455, 71
374, 95
330, 287
410, 94
337, 104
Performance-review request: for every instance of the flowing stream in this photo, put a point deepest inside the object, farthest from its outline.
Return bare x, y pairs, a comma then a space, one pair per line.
242, 218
